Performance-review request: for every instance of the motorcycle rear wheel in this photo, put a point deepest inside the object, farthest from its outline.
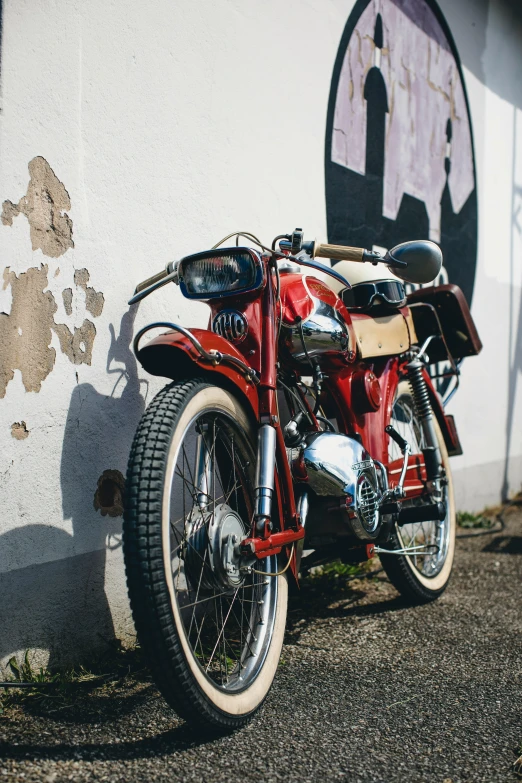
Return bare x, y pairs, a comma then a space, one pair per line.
421, 578
212, 635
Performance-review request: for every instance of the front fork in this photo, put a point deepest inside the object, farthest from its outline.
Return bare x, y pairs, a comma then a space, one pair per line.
264, 543
264, 481
265, 473
203, 473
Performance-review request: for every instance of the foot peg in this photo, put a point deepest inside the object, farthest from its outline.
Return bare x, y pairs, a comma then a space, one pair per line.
405, 447
429, 513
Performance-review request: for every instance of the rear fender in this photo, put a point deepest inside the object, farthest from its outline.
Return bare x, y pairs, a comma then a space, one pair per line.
446, 423
172, 355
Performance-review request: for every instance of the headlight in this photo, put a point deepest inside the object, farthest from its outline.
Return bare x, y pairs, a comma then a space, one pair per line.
223, 272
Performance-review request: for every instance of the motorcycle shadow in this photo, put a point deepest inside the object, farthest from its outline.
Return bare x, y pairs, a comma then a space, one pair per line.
120, 697
333, 595
98, 710
505, 545
179, 738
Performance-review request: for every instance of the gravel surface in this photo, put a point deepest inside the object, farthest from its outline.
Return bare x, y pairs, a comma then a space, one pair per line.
368, 689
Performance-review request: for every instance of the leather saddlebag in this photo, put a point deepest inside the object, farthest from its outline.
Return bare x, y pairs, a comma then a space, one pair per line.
454, 318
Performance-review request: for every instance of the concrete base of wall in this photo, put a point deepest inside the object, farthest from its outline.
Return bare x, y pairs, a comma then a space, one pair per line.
65, 609
485, 485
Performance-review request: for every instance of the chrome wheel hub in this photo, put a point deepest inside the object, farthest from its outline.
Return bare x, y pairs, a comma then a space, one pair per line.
212, 556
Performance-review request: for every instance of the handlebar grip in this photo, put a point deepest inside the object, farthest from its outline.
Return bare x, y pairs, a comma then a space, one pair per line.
339, 252
150, 281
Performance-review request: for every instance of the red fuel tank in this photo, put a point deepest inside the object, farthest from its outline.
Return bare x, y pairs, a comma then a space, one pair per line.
315, 325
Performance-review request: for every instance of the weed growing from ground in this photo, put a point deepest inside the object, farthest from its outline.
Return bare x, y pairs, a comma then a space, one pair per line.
64, 688
337, 576
467, 520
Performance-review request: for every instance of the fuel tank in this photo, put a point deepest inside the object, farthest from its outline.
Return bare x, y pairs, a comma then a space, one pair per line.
315, 325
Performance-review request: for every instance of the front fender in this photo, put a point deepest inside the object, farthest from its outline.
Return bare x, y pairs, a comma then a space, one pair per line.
172, 355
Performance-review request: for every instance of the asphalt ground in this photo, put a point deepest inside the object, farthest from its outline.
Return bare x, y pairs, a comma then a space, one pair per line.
368, 689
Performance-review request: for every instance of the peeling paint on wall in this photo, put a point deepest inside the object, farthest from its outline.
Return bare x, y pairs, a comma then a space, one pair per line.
26, 333
77, 346
44, 206
19, 430
67, 300
94, 300
108, 498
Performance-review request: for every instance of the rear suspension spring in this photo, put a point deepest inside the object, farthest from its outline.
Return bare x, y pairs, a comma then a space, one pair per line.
419, 389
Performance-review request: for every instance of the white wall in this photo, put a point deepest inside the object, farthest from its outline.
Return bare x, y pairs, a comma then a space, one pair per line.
170, 125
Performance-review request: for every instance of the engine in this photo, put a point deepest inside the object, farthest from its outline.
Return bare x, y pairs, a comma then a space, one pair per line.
338, 466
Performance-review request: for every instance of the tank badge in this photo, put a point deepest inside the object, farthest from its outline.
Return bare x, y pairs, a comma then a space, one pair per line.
231, 325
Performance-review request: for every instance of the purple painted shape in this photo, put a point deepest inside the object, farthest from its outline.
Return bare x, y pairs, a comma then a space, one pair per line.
424, 91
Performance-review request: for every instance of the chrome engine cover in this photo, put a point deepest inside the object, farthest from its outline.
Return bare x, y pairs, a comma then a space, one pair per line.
339, 466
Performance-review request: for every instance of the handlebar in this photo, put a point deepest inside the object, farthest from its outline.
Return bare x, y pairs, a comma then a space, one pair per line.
347, 253
146, 287
339, 252
289, 244
150, 281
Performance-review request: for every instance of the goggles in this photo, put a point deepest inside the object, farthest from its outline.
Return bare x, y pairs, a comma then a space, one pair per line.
364, 295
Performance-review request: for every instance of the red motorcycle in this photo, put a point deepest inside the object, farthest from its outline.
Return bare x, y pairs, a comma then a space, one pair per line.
302, 426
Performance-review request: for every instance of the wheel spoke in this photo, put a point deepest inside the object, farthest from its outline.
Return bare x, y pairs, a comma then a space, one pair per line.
222, 628
197, 594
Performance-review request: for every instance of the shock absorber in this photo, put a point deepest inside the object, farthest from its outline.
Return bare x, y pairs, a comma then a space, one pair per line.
424, 411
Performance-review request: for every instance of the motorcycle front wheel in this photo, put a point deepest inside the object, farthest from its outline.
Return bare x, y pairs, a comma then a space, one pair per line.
420, 577
211, 628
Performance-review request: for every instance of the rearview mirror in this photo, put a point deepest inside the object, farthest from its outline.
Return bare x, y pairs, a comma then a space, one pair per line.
423, 259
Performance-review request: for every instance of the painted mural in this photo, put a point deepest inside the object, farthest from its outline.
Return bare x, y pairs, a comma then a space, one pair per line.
399, 145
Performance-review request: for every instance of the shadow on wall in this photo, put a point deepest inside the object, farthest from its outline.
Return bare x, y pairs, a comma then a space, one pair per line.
492, 51
61, 606
515, 332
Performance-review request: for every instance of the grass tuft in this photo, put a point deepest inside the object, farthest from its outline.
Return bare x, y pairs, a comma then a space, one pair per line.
467, 520
63, 688
337, 575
